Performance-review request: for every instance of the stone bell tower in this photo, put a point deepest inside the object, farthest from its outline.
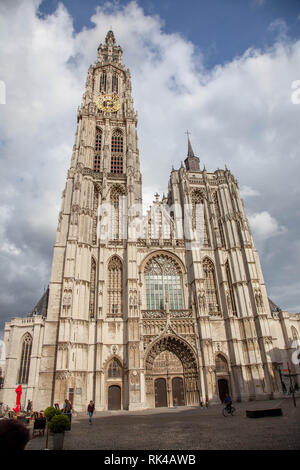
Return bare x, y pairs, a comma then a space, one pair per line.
94, 270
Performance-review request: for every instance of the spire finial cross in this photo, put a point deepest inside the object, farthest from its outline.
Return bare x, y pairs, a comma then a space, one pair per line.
188, 133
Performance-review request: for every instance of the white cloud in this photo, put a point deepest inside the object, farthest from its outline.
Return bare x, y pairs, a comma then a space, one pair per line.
240, 114
279, 26
265, 226
247, 191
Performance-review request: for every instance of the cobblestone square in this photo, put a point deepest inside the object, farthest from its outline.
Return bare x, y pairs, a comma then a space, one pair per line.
184, 428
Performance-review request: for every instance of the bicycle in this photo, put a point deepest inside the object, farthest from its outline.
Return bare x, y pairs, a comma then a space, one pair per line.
228, 410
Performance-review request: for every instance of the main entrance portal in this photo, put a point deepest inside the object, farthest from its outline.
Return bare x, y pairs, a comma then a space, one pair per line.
168, 388
171, 374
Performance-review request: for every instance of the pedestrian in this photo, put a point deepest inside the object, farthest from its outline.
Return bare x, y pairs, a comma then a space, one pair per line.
29, 406
91, 409
68, 410
206, 401
175, 403
201, 402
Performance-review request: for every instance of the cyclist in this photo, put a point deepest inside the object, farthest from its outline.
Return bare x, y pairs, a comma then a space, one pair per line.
228, 403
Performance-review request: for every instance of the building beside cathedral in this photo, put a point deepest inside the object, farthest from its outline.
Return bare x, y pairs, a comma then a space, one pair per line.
146, 311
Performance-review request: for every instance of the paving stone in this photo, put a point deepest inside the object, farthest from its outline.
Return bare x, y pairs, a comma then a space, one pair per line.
184, 428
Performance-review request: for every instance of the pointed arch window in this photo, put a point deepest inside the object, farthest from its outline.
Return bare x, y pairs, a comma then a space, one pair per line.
92, 289
199, 222
25, 359
97, 155
117, 212
117, 152
163, 281
103, 81
117, 142
114, 370
295, 334
219, 221
221, 364
115, 286
210, 286
95, 214
115, 83
232, 304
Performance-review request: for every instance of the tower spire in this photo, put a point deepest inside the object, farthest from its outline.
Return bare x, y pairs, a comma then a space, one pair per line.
109, 51
110, 38
191, 162
190, 152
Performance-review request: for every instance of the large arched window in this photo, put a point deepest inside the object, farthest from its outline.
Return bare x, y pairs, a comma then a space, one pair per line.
98, 143
210, 286
117, 152
163, 281
114, 290
199, 223
25, 359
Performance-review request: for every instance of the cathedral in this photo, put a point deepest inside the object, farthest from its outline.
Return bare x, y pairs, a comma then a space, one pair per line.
146, 310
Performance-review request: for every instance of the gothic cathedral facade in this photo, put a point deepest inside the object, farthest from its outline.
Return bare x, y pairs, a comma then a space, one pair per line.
139, 313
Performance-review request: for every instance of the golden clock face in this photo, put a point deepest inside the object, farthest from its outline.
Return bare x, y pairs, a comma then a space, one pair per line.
109, 103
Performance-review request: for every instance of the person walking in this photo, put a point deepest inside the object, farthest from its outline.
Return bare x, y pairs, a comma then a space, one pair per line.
201, 402
29, 406
91, 409
206, 401
67, 410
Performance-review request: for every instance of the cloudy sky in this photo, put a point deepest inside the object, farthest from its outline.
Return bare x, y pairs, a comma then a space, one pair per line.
224, 70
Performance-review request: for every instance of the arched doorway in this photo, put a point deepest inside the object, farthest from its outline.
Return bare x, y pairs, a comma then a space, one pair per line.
223, 389
160, 393
114, 380
222, 376
178, 391
168, 358
114, 397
